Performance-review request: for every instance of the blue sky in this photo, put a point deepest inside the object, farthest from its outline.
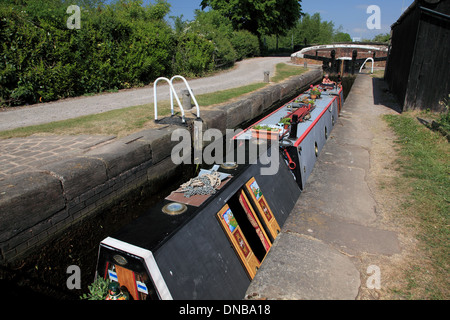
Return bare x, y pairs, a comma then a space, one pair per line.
350, 14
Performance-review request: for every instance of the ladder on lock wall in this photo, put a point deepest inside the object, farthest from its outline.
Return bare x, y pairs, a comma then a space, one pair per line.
172, 94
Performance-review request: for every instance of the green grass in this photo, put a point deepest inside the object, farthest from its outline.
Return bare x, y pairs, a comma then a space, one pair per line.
116, 122
284, 71
209, 99
378, 74
127, 120
425, 165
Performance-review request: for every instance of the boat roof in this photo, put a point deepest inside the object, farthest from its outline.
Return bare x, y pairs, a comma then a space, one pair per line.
328, 95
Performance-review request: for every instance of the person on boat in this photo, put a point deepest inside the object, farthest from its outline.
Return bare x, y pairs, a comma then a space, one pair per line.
326, 80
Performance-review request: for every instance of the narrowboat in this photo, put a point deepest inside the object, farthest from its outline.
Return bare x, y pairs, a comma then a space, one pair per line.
208, 243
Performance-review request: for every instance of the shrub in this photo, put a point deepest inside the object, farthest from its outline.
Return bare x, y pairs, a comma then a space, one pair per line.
98, 290
218, 29
194, 55
118, 46
224, 53
246, 44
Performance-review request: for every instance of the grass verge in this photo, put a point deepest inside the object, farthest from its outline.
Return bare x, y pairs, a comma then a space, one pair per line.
127, 120
425, 166
284, 71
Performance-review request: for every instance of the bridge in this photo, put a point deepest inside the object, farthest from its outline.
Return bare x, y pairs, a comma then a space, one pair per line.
343, 58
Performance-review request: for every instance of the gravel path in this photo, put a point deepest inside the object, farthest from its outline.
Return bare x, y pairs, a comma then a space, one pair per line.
245, 72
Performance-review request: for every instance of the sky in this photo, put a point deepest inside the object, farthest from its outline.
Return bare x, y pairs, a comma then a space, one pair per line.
350, 14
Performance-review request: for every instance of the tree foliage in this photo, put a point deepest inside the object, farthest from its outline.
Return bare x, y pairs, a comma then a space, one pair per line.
258, 16
119, 45
124, 43
342, 37
230, 44
310, 29
383, 37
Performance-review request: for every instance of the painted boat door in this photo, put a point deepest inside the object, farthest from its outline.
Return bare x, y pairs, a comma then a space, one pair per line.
238, 240
265, 212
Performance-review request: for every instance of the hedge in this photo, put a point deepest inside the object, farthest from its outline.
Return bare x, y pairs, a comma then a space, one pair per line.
120, 45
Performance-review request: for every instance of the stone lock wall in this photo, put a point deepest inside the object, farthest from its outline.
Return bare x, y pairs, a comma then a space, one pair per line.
37, 206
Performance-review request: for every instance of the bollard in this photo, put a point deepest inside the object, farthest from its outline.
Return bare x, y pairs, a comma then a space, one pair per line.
186, 100
266, 76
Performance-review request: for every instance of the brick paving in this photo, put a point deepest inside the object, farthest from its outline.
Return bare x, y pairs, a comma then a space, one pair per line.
30, 153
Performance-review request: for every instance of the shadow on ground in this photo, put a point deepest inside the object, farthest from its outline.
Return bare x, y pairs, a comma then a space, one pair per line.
382, 95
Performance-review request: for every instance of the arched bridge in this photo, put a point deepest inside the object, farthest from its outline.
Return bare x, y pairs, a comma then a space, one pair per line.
343, 57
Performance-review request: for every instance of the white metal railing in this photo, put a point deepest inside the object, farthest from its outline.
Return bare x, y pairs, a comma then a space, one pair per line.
172, 93
362, 66
190, 92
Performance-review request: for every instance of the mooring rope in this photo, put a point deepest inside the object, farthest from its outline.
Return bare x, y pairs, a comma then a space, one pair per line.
204, 185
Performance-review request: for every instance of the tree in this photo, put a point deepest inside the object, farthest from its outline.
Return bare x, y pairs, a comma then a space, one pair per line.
215, 27
309, 30
260, 17
342, 37
119, 45
315, 30
382, 38
179, 25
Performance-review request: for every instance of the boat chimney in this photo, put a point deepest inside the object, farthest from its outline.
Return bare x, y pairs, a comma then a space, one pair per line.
294, 124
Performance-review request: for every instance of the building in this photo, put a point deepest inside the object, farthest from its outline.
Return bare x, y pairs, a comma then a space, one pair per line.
418, 64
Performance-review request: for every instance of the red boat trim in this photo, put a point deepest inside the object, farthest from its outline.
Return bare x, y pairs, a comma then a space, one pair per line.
302, 137
245, 130
307, 131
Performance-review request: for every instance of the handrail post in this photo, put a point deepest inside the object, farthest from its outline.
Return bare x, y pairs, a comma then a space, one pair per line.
172, 92
155, 98
190, 92
371, 59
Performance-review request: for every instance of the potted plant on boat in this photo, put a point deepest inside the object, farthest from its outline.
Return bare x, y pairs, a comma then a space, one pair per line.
314, 92
285, 122
98, 290
265, 132
306, 102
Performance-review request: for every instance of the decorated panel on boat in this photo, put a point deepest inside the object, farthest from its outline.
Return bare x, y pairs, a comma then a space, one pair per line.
265, 212
238, 240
